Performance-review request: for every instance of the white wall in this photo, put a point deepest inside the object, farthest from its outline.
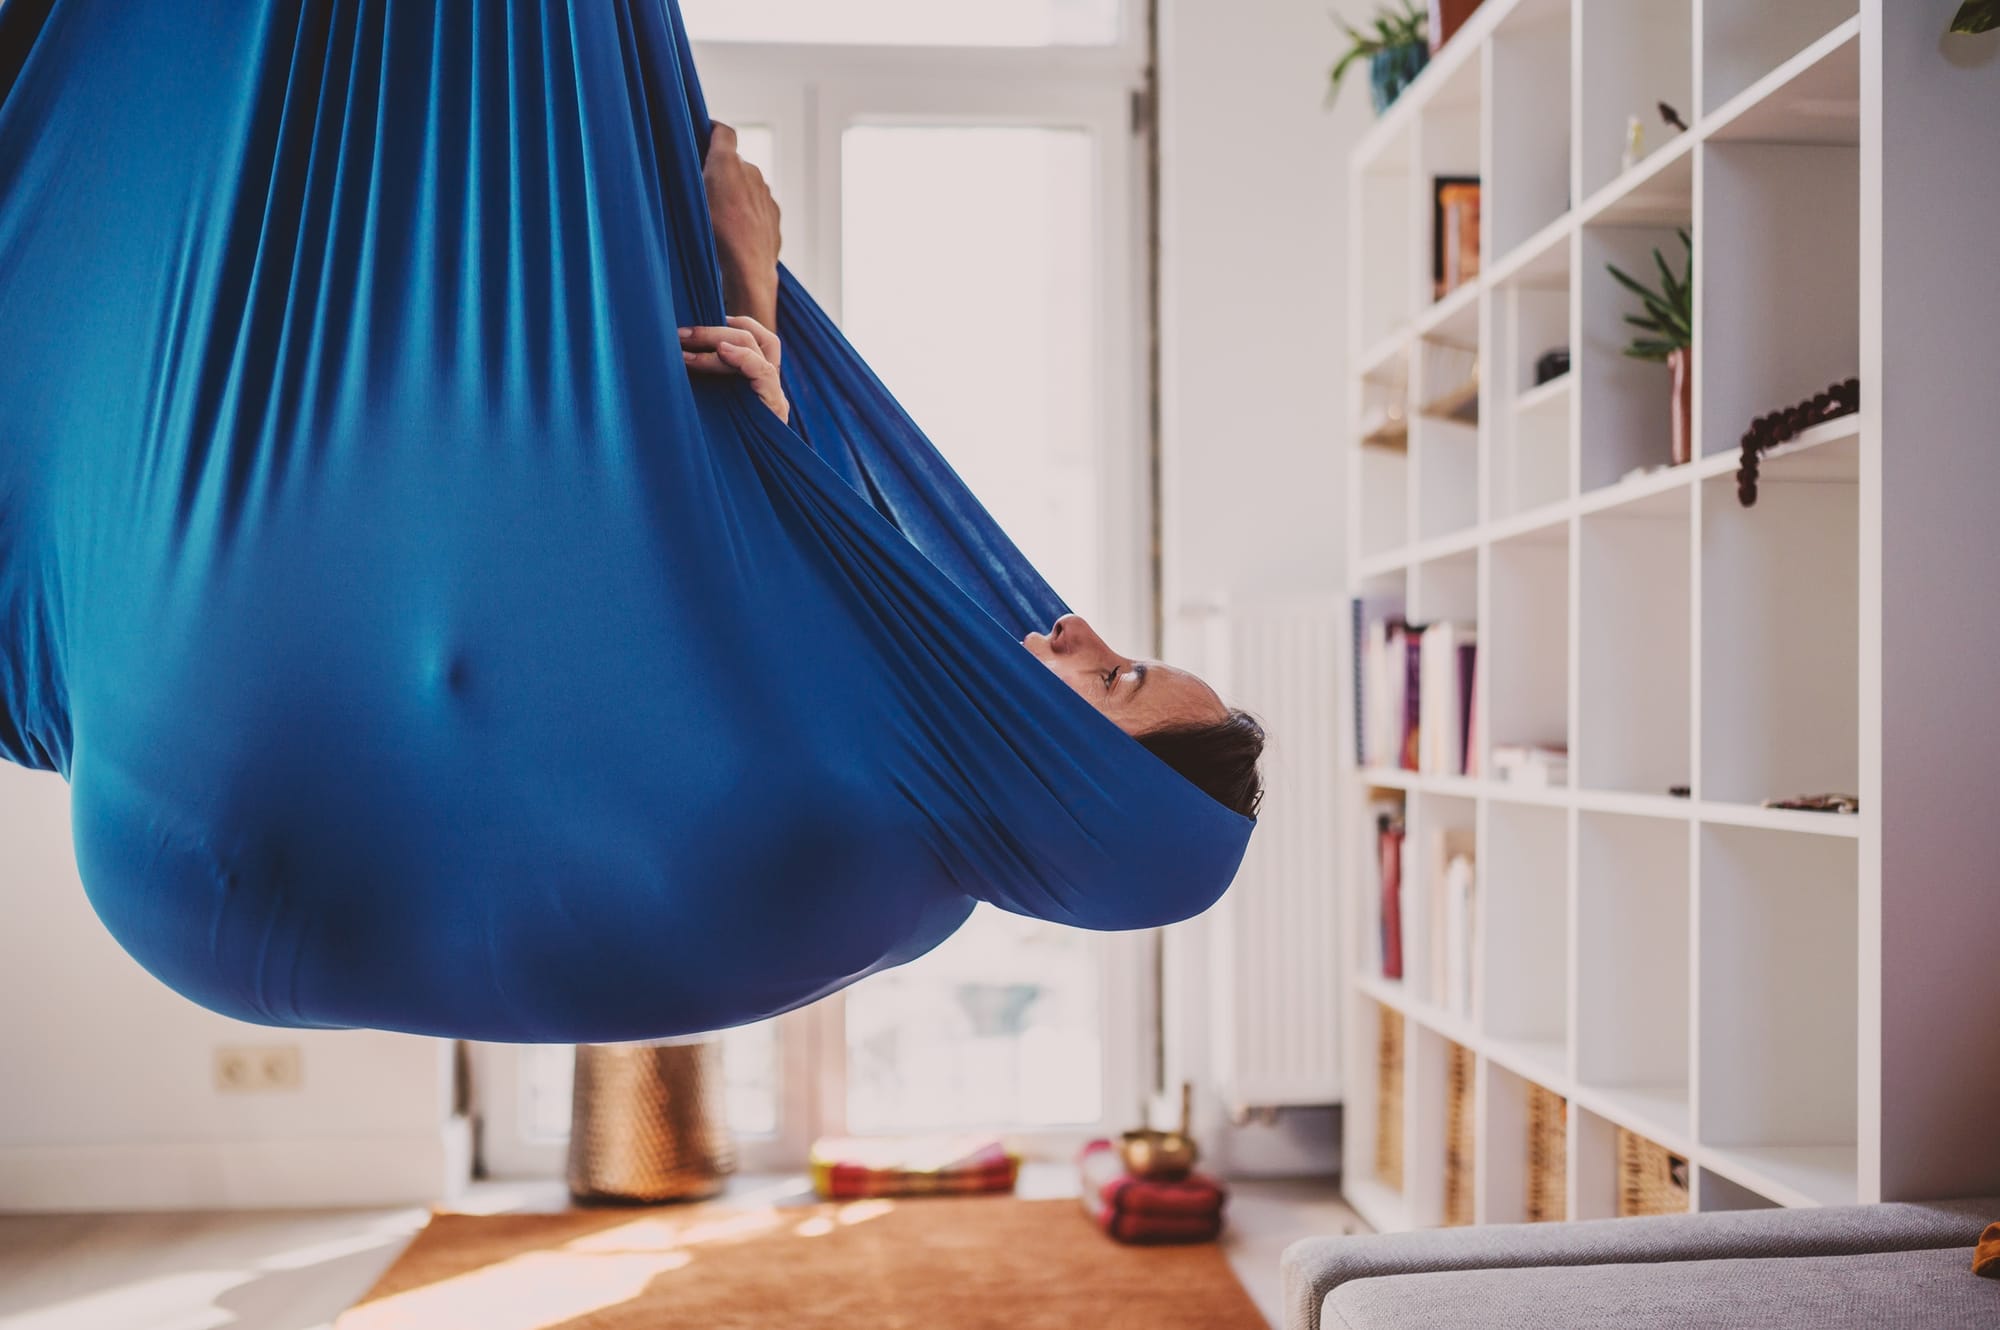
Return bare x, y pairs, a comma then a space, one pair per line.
107, 1089
1252, 306
1252, 249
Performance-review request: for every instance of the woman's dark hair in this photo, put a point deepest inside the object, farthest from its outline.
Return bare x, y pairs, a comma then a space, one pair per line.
1219, 758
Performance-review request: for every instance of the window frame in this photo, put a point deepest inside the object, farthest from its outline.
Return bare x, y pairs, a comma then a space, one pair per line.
809, 95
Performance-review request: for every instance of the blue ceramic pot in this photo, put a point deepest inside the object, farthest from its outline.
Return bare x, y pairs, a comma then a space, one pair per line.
1390, 71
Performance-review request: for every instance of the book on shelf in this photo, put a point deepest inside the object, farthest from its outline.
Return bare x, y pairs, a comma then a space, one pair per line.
1451, 920
1449, 656
1389, 861
1380, 641
1532, 766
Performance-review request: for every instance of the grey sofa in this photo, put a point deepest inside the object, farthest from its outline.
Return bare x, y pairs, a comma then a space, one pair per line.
1905, 1265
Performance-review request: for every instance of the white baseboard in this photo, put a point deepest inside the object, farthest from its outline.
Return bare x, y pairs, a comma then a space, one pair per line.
418, 1168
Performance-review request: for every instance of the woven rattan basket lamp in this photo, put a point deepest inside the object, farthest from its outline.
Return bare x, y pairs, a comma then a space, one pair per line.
647, 1124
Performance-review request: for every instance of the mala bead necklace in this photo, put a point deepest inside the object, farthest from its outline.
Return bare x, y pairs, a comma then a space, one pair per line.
1767, 432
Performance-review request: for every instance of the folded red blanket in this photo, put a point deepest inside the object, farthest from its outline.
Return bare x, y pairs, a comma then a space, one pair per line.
1141, 1210
944, 1165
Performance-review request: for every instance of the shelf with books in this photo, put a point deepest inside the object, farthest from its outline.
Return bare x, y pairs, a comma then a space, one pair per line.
1415, 674
1692, 657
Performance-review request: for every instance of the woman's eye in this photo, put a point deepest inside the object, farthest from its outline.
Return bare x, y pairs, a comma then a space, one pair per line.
1110, 680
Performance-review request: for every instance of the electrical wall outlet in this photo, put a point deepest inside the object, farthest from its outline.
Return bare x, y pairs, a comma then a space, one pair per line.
242, 1069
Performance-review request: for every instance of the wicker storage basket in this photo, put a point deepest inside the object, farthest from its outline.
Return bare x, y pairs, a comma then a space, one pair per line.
1389, 1098
1458, 1135
647, 1124
1651, 1179
1548, 1155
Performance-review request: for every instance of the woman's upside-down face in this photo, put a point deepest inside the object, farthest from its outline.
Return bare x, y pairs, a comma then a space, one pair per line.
1140, 696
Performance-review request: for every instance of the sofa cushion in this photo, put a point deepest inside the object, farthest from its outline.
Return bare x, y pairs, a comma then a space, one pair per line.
1935, 1290
1314, 1267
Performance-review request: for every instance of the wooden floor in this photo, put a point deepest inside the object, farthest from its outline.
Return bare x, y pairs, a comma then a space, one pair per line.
297, 1270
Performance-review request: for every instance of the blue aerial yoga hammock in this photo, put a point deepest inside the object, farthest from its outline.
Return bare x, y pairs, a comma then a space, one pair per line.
423, 649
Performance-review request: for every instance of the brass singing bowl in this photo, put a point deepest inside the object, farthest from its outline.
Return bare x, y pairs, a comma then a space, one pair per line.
1165, 1156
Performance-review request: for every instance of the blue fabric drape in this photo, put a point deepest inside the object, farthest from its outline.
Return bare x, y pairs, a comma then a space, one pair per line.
424, 650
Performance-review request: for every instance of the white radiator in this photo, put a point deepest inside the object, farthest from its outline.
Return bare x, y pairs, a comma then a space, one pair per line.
1273, 943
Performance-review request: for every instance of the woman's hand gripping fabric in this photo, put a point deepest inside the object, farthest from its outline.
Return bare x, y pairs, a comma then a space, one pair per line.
747, 348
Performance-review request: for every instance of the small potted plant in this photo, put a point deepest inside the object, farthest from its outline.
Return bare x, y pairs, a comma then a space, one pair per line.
1668, 328
1396, 47
1976, 16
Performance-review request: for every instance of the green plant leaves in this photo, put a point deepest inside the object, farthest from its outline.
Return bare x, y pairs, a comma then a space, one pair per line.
1669, 311
1391, 28
1976, 16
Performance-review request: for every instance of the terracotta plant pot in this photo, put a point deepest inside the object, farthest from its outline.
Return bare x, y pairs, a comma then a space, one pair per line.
1681, 364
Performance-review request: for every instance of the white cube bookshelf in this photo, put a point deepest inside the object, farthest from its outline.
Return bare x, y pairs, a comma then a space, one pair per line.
1804, 1007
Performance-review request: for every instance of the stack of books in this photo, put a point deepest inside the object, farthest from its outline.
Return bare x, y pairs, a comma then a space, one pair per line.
1415, 703
1539, 766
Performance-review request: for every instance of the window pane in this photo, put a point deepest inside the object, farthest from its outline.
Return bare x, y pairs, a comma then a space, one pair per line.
750, 1078
907, 22
968, 257
997, 1027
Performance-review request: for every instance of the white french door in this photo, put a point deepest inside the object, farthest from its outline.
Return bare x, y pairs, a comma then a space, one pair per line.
971, 215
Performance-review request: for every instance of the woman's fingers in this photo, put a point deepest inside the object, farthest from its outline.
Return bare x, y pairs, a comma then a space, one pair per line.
707, 339
739, 351
701, 349
767, 341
